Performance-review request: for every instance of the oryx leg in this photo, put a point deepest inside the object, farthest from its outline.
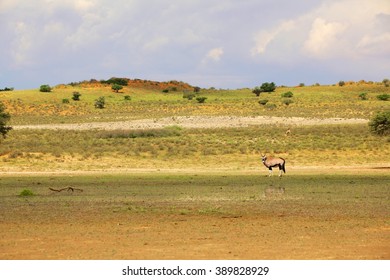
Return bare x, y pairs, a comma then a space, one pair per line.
270, 172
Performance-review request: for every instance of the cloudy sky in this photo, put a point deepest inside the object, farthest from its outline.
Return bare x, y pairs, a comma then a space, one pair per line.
219, 43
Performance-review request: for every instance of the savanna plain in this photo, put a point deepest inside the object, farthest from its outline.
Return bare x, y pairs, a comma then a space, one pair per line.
158, 175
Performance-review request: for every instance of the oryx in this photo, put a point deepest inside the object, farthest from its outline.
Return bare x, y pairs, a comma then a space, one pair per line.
270, 162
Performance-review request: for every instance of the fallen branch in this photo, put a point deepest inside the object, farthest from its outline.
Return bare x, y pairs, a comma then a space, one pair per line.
67, 189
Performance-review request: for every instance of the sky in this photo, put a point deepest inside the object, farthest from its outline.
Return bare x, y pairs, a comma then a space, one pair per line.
206, 43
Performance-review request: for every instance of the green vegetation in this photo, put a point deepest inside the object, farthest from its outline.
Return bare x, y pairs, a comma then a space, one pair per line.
4, 119
287, 94
380, 124
76, 96
26, 192
30, 107
265, 87
100, 103
45, 88
338, 195
383, 97
116, 87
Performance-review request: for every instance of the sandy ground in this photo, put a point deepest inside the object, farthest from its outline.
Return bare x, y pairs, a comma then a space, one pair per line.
173, 236
195, 122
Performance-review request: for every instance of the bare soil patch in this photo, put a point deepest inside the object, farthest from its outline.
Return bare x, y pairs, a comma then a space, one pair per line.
195, 122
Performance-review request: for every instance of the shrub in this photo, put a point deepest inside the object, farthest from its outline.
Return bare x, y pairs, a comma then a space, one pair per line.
263, 101
7, 89
116, 87
76, 96
118, 81
363, 96
196, 89
383, 97
45, 88
287, 101
127, 97
100, 103
386, 82
288, 94
341, 83
380, 124
165, 90
26, 192
201, 99
4, 118
65, 101
265, 87
142, 133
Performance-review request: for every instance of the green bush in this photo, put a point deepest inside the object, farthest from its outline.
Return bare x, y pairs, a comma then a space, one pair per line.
201, 99
118, 81
288, 94
265, 87
100, 103
383, 97
380, 124
45, 88
341, 83
263, 101
65, 101
26, 192
127, 97
287, 101
116, 87
4, 118
363, 96
76, 96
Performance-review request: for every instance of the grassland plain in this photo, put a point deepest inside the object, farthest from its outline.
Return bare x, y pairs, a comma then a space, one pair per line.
34, 107
194, 193
196, 216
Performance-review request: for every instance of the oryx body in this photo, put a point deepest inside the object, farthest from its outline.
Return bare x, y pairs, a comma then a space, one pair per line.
271, 162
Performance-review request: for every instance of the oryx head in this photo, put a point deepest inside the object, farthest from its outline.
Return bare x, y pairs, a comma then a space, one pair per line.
263, 158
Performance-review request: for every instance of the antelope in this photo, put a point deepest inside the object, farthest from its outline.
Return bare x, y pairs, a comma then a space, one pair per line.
270, 162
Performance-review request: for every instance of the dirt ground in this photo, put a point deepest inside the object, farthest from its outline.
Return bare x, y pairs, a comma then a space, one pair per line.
194, 237
259, 229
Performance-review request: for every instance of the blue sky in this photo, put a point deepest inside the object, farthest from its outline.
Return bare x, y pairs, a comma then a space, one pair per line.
207, 43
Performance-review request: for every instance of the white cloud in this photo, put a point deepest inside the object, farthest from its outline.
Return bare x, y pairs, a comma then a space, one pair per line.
375, 45
215, 54
323, 37
265, 37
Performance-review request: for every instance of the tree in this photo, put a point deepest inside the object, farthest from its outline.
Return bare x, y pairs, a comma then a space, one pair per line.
76, 96
116, 87
4, 118
380, 124
201, 99
100, 103
265, 87
45, 88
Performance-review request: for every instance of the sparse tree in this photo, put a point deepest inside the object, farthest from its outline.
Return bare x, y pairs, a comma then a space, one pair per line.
76, 96
116, 87
265, 87
4, 118
100, 103
45, 88
380, 123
